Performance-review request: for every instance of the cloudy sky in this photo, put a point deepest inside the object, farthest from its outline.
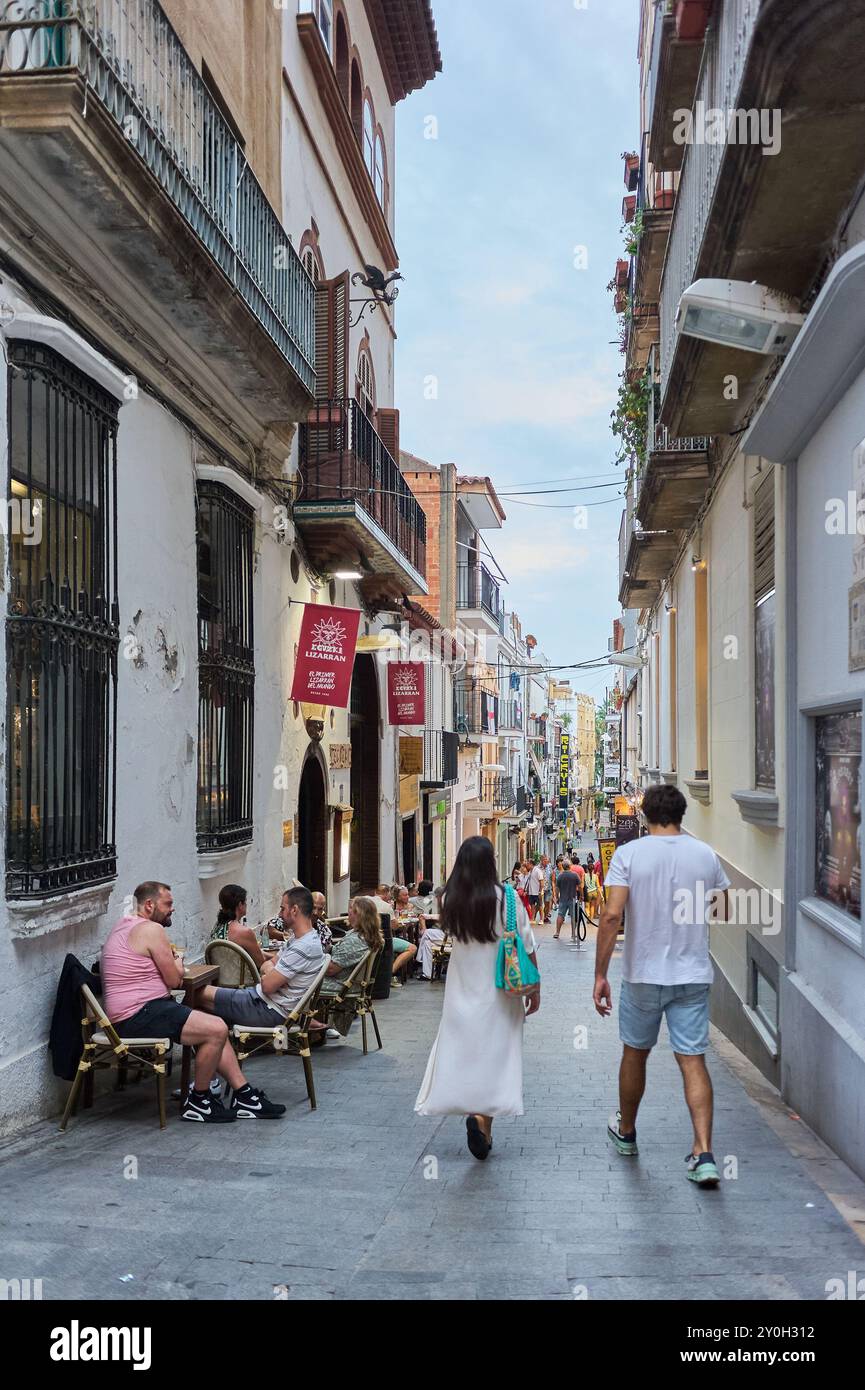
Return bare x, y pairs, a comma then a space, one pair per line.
536, 103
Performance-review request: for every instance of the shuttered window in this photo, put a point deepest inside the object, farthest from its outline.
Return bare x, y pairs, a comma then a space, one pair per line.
764, 538
764, 633
331, 338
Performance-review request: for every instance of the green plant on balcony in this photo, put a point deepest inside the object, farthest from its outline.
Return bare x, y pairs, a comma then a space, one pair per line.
630, 419
632, 232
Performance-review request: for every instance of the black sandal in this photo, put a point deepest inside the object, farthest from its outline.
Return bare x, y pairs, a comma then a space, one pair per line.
479, 1145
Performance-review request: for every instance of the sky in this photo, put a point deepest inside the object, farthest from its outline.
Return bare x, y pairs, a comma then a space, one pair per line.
535, 105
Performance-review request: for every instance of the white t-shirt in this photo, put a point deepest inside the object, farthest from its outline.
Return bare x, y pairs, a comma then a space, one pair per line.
299, 961
536, 881
670, 881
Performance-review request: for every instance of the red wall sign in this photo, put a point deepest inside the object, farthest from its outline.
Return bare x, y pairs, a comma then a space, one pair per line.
325, 655
405, 692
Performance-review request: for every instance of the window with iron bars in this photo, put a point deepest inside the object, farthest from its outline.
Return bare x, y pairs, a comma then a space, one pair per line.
226, 667
63, 626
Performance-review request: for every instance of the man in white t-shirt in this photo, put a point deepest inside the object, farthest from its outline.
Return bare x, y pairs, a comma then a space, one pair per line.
535, 889
673, 885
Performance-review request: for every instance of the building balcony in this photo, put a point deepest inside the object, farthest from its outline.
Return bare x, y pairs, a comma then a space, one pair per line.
496, 795
479, 600
674, 479
656, 195
440, 758
765, 203
127, 195
677, 49
354, 509
645, 558
510, 716
476, 712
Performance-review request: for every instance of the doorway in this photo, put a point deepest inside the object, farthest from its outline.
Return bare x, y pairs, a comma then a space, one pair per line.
312, 827
365, 791
409, 852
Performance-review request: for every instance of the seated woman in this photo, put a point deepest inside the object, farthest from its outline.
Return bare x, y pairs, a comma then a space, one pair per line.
423, 900
364, 934
231, 923
431, 935
403, 951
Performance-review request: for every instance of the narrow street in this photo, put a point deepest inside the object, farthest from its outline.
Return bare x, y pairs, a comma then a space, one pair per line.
336, 1204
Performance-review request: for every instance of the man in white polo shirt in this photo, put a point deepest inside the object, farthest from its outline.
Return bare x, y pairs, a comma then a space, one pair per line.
673, 885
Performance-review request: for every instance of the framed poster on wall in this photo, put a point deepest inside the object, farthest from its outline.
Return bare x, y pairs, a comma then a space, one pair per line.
838, 784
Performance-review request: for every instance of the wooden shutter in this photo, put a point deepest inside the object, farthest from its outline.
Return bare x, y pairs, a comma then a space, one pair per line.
331, 338
388, 428
764, 537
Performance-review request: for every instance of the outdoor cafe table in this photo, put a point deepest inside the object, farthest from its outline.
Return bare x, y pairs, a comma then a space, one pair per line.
195, 977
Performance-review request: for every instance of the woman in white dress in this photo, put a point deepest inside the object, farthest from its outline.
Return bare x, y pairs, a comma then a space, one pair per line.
476, 1064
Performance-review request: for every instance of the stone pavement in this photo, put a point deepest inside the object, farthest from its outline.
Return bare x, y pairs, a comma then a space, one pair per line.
363, 1199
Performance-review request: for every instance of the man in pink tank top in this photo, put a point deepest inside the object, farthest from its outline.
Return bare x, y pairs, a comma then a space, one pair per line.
139, 970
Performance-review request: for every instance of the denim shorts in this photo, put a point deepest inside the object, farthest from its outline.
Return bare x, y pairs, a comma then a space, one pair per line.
687, 1010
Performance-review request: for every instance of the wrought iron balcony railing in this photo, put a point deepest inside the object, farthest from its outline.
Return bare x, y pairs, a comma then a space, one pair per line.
475, 711
343, 456
135, 66
496, 790
440, 758
476, 588
510, 714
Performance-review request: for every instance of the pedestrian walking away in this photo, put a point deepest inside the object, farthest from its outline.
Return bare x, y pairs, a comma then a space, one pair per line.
569, 890
673, 884
475, 1067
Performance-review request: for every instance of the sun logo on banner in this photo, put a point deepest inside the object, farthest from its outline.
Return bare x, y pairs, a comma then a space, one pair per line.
329, 631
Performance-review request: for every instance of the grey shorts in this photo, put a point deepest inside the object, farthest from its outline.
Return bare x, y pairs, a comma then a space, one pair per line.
245, 1006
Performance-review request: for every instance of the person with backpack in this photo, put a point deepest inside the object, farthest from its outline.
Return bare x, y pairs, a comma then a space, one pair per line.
475, 1067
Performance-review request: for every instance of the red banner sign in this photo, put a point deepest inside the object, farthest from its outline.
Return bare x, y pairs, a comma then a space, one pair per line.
325, 655
405, 692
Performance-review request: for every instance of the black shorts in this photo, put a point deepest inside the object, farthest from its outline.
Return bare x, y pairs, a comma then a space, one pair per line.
160, 1018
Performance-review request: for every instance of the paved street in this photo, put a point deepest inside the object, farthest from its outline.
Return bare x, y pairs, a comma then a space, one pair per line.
338, 1204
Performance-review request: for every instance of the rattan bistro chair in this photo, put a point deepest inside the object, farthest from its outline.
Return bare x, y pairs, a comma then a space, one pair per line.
104, 1049
291, 1037
236, 966
354, 999
441, 954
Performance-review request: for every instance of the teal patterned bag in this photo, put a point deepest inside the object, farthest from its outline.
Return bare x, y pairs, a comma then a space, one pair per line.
515, 972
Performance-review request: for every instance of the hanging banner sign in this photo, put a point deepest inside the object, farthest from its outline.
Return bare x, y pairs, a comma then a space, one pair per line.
564, 770
405, 692
325, 655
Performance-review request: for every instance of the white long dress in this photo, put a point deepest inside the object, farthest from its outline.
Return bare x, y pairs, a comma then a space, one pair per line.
476, 1063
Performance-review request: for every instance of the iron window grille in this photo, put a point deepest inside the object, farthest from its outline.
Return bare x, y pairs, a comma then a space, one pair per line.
63, 626
226, 667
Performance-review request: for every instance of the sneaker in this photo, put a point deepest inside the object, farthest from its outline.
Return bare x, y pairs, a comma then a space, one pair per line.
333, 1034
702, 1169
396, 983
205, 1109
254, 1105
625, 1143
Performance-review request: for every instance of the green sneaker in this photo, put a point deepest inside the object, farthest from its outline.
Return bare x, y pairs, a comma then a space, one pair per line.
625, 1143
702, 1169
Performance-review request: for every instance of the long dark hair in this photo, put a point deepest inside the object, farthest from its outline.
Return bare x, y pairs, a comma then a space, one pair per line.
230, 898
471, 900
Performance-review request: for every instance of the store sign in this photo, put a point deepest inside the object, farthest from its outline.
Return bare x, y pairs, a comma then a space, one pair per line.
438, 805
410, 757
627, 829
339, 757
405, 692
325, 655
564, 770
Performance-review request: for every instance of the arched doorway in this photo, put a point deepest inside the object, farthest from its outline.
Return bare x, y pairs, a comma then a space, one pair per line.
365, 795
312, 833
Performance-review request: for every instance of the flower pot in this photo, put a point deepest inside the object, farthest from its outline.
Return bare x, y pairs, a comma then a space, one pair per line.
632, 172
621, 301
629, 207
622, 268
691, 19
664, 199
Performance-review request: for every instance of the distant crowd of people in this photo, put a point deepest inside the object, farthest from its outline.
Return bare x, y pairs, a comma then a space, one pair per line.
569, 887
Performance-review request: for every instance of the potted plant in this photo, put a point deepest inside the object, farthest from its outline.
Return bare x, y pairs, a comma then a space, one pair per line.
691, 19
629, 207
622, 268
632, 170
635, 232
630, 419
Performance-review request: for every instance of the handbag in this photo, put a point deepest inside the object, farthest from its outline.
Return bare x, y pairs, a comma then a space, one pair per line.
515, 972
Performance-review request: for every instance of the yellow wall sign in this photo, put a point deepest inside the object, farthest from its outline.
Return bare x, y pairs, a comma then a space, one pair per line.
564, 770
410, 757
